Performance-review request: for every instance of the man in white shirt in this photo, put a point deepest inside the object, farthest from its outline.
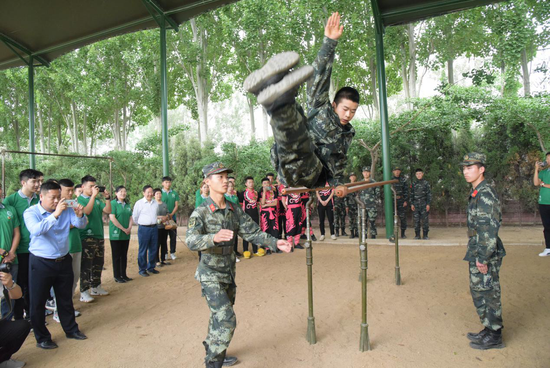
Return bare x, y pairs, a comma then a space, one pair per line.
145, 215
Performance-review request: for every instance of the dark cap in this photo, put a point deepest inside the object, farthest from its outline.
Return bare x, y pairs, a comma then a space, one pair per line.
215, 168
352, 174
473, 158
397, 168
366, 168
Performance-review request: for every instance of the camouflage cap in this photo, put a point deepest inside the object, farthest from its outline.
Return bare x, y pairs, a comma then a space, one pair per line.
366, 168
473, 158
215, 168
397, 168
352, 174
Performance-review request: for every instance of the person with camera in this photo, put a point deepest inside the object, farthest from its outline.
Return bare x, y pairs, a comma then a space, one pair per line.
9, 240
49, 223
12, 333
93, 238
542, 179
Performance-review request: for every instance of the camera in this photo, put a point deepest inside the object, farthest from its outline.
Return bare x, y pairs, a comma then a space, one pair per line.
101, 189
543, 164
4, 267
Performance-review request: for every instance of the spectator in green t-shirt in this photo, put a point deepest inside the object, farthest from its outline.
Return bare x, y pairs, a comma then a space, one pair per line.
27, 196
171, 198
93, 241
542, 180
120, 229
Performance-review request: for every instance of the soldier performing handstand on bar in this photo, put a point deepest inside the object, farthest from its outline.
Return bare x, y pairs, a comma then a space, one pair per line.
307, 151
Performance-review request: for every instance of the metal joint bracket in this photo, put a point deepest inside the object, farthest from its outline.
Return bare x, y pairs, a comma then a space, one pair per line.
159, 15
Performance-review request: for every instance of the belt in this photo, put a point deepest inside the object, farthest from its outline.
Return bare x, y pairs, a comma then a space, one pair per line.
154, 225
472, 232
60, 259
219, 250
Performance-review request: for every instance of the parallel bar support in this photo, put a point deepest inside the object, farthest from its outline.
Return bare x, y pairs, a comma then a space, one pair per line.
31, 114
164, 101
311, 336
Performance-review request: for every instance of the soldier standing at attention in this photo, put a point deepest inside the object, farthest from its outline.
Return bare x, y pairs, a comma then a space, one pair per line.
371, 197
340, 216
402, 197
421, 197
213, 228
351, 208
485, 253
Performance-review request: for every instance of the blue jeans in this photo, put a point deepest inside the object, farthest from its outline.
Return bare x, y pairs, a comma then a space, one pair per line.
5, 305
148, 243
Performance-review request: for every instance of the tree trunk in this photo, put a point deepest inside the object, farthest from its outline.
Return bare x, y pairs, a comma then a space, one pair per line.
50, 137
252, 121
525, 72
17, 134
450, 71
41, 130
201, 83
412, 60
85, 132
75, 128
59, 140
372, 67
116, 129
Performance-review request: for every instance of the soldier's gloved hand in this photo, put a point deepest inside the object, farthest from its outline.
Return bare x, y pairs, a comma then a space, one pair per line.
284, 245
223, 235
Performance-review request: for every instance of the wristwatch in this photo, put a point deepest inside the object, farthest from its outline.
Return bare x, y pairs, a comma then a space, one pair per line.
12, 287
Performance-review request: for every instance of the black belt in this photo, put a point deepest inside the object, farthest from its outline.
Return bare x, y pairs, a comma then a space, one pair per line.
60, 259
219, 250
154, 225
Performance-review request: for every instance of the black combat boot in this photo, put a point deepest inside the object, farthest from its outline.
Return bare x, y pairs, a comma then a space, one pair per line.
425, 235
403, 236
352, 234
373, 236
313, 237
417, 234
337, 232
344, 232
491, 340
476, 337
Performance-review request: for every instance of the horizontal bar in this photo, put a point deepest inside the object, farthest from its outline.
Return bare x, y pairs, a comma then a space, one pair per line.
57, 155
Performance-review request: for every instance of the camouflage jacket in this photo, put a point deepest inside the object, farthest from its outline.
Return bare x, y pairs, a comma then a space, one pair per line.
350, 200
205, 221
421, 193
484, 218
330, 137
401, 189
370, 196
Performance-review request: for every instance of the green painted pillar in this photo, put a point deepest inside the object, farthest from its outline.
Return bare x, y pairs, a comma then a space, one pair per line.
164, 100
31, 114
386, 163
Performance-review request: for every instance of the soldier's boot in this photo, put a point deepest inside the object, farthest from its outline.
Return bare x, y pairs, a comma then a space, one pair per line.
425, 235
417, 234
337, 232
403, 236
228, 361
491, 340
344, 232
476, 337
284, 92
272, 72
352, 235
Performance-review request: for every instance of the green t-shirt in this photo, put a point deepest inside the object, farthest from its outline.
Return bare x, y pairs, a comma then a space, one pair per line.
75, 243
123, 213
544, 193
20, 205
94, 229
170, 198
8, 222
232, 198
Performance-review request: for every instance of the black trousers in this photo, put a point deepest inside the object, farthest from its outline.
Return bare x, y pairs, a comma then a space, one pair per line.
327, 210
173, 238
544, 210
43, 275
119, 252
256, 217
22, 304
12, 336
163, 244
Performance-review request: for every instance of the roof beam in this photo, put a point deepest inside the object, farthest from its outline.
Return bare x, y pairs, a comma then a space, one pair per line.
159, 15
23, 52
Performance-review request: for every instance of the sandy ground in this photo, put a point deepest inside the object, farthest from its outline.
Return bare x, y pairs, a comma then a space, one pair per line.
161, 321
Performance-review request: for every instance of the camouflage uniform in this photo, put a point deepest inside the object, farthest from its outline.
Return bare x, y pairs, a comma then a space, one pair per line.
484, 246
371, 197
308, 152
421, 196
402, 191
339, 215
351, 204
216, 269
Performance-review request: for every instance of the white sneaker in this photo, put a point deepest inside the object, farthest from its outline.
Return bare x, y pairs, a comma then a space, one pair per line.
545, 253
166, 257
56, 317
173, 255
98, 291
77, 313
321, 238
237, 259
85, 296
50, 305
12, 363
333, 237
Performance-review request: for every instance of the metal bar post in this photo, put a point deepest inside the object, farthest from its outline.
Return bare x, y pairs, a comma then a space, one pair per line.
31, 114
396, 239
364, 342
311, 336
164, 100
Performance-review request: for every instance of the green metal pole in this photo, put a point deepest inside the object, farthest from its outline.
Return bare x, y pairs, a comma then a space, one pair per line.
31, 113
381, 75
164, 101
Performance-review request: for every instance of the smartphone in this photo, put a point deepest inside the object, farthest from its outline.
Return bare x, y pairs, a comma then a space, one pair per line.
543, 164
101, 189
71, 203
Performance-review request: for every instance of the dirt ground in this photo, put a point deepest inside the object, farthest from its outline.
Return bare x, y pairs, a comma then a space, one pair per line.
161, 321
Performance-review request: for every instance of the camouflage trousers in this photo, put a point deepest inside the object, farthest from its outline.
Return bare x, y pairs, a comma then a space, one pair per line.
91, 266
371, 214
485, 290
352, 213
220, 298
402, 213
420, 215
339, 216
